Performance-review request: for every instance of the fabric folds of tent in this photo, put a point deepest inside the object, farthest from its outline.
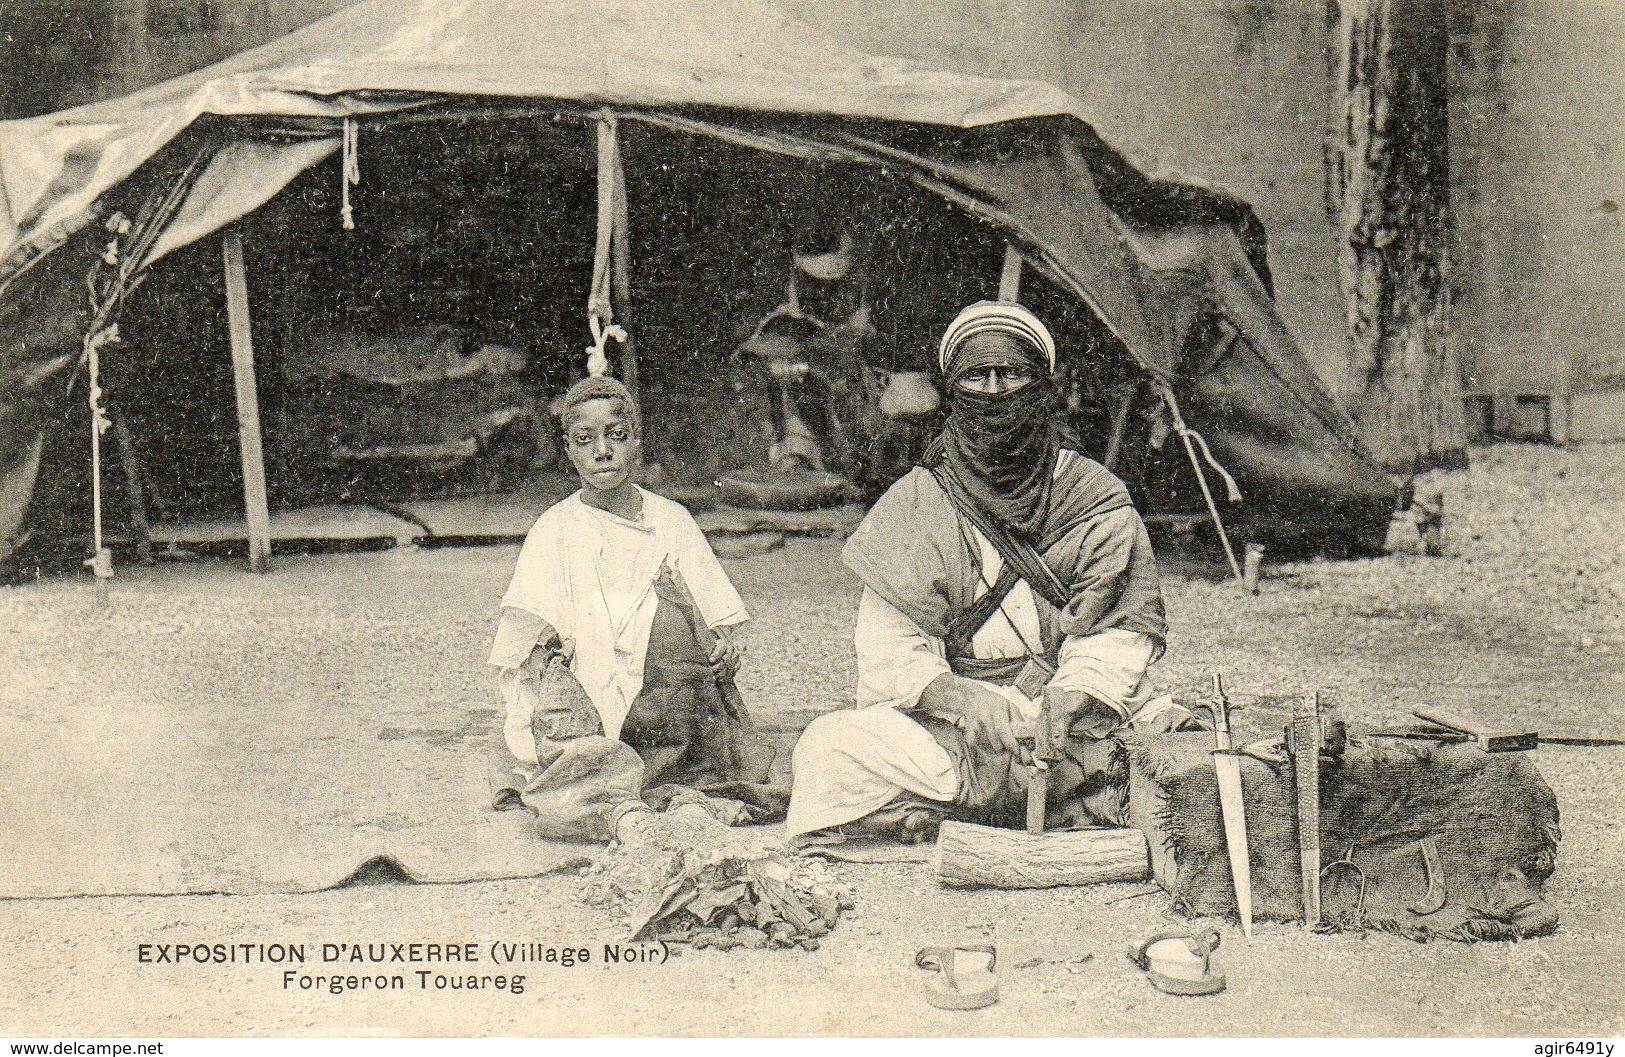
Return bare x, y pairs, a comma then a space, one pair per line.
1157, 262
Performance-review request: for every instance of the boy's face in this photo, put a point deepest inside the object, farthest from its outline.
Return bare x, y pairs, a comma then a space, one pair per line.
602, 445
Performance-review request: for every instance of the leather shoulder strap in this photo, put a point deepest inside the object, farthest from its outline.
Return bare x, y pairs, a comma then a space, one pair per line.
969, 622
1017, 553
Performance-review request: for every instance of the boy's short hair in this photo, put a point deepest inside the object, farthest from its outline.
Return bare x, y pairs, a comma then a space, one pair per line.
599, 388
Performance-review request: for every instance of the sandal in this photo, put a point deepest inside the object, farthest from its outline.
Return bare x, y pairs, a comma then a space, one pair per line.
1181, 963
951, 987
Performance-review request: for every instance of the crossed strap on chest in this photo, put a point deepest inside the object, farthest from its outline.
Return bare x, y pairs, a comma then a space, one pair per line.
1021, 562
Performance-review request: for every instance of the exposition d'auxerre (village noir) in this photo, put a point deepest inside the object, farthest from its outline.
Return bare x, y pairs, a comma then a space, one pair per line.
447, 962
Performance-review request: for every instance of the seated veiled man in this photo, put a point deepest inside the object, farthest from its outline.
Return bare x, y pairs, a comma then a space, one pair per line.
1006, 563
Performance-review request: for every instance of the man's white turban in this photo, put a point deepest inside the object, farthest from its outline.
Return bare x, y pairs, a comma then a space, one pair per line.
1002, 317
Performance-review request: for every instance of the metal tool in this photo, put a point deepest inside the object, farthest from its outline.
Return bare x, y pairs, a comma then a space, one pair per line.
1433, 901
1456, 737
1488, 738
1227, 767
1450, 735
1053, 706
1304, 739
1038, 780
1347, 865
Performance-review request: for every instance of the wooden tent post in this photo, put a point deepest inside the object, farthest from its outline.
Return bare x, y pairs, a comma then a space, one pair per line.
1010, 274
1120, 418
248, 405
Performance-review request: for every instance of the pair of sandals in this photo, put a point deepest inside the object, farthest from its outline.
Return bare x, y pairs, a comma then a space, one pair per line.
1176, 963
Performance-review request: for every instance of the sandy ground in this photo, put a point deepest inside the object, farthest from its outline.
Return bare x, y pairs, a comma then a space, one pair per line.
1524, 618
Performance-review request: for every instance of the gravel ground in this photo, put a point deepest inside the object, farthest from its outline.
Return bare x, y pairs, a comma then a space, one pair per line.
1523, 618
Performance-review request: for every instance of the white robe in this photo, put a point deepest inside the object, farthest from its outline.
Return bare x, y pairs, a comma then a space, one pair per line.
590, 575
852, 762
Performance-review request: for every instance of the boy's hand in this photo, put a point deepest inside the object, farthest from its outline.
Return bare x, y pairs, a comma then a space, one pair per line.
726, 653
543, 653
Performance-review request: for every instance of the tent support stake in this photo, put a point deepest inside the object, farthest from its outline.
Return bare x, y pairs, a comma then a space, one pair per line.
248, 404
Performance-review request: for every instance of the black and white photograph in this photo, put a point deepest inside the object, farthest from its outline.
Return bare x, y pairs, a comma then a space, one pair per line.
809, 519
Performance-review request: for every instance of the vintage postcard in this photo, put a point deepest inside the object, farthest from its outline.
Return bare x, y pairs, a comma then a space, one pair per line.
741, 518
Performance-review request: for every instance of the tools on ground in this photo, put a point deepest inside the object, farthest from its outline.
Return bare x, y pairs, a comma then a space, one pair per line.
1313, 737
1433, 900
1499, 743
1227, 767
1346, 870
1449, 726
1303, 744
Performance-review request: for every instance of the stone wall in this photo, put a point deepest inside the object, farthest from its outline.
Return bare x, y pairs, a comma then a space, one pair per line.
1539, 176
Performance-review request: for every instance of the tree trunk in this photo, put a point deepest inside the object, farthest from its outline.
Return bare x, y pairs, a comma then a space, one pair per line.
1390, 178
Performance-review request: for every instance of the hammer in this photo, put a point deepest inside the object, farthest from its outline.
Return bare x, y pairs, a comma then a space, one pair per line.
1053, 704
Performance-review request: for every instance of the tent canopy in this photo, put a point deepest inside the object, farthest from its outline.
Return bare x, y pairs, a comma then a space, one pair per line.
385, 55
1152, 259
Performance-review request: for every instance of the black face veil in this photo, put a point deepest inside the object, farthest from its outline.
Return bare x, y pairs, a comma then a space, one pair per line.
999, 449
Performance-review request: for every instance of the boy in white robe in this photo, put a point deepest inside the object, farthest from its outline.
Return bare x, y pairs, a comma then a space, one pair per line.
621, 584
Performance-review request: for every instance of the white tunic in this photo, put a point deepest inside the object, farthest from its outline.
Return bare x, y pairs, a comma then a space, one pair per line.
852, 762
590, 575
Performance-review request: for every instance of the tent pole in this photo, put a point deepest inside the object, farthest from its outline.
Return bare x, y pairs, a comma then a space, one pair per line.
101, 562
1120, 417
248, 404
1010, 274
1185, 434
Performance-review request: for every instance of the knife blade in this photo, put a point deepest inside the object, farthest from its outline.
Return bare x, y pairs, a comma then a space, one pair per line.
1227, 767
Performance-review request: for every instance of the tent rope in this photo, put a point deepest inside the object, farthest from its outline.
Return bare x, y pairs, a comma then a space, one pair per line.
1232, 491
1192, 439
101, 561
351, 172
117, 270
600, 307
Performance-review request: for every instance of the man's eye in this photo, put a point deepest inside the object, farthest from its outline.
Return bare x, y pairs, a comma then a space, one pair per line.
581, 439
617, 434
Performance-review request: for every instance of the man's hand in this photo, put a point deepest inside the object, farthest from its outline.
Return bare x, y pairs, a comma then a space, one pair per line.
1074, 712
987, 716
726, 652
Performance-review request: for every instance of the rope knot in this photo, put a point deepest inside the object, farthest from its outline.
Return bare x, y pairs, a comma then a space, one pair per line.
597, 360
352, 171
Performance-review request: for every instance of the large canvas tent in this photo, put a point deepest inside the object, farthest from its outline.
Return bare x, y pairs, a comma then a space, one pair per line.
1176, 276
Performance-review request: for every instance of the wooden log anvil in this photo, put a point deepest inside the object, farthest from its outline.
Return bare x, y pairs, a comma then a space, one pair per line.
969, 855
